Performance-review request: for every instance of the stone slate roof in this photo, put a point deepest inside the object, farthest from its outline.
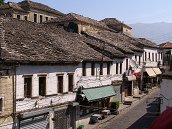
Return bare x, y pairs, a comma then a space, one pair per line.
167, 45
147, 43
27, 5
115, 40
76, 17
32, 42
113, 22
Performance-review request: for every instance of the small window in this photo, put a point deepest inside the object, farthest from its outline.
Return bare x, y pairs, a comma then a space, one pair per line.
18, 17
161, 55
139, 60
27, 87
92, 69
35, 17
145, 56
108, 68
70, 82
1, 104
149, 55
42, 86
83, 69
116, 68
60, 83
120, 68
41, 18
152, 56
25, 18
101, 68
135, 57
46, 18
156, 57
126, 64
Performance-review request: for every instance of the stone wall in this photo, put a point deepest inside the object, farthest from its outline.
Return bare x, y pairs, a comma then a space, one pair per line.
6, 93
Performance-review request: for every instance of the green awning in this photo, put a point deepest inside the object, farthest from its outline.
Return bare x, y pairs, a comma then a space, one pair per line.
98, 93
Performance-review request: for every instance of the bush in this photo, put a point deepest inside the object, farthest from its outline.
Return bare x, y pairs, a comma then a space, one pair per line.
114, 105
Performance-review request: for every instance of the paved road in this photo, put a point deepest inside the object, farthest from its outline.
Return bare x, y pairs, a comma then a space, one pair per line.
138, 117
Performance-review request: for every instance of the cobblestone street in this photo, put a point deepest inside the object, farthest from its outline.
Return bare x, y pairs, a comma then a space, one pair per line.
138, 117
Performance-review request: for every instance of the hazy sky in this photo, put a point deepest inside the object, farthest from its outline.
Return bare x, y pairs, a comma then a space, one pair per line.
128, 11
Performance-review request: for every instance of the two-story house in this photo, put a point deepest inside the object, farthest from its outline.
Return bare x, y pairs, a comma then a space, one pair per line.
29, 10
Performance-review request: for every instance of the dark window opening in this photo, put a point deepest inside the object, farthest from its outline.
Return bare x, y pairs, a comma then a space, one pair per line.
120, 68
83, 69
92, 69
152, 56
1, 104
116, 68
101, 68
35, 17
41, 19
25, 18
108, 68
46, 18
42, 86
60, 84
126, 64
135, 57
18, 17
27, 87
149, 55
145, 56
72, 27
139, 59
70, 79
156, 57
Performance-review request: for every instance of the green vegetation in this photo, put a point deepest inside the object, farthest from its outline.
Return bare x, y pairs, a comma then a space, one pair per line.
2, 2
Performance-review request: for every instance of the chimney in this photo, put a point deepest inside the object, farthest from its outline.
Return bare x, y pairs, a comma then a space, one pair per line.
2, 37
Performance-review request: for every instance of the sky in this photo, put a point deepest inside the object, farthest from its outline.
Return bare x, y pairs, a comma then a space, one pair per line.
127, 11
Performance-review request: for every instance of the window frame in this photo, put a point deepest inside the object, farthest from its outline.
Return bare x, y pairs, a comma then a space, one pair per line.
35, 17
108, 68
120, 71
1, 105
45, 87
117, 69
60, 89
26, 77
84, 69
101, 68
69, 88
93, 69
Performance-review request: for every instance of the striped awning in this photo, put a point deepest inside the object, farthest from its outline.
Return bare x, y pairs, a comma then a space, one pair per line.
150, 72
157, 71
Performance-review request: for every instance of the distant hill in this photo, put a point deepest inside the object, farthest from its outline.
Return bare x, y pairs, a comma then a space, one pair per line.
157, 32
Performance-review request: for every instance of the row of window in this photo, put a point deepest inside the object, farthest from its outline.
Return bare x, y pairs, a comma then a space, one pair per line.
35, 18
155, 56
84, 73
42, 85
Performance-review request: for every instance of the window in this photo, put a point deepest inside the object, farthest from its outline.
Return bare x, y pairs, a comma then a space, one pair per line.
40, 19
149, 55
18, 17
139, 59
46, 18
108, 68
70, 82
25, 18
35, 17
27, 87
83, 69
101, 68
120, 68
152, 56
161, 55
60, 83
42, 86
116, 68
92, 69
1, 104
135, 57
156, 59
145, 56
126, 64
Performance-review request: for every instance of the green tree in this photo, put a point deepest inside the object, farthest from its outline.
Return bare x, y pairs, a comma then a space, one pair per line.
2, 2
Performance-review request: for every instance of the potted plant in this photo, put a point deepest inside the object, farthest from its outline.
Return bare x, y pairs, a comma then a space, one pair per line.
114, 106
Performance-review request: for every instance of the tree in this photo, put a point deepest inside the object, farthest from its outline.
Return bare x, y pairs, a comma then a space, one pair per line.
2, 2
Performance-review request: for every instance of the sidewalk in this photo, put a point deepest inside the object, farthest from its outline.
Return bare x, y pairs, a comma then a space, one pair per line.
122, 109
